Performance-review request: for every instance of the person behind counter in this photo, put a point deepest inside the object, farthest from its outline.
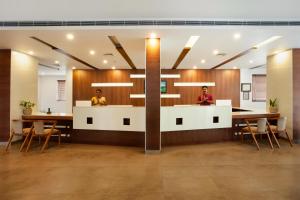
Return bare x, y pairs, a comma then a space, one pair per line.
98, 100
205, 98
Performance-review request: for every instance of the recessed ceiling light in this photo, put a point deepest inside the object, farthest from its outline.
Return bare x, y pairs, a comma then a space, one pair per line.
73, 68
234, 67
70, 36
216, 52
92, 52
251, 61
30, 52
153, 35
237, 36
56, 62
203, 61
195, 67
105, 61
192, 40
113, 67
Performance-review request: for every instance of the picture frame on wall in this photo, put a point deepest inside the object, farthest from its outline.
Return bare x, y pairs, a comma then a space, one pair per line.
246, 96
246, 87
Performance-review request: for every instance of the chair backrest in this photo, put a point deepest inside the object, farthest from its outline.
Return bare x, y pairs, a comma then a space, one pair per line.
17, 126
281, 124
261, 125
38, 127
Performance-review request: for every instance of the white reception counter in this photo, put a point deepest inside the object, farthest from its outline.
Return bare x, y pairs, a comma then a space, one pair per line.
173, 118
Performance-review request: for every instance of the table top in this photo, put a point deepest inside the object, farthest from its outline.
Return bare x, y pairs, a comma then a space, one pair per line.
44, 116
248, 114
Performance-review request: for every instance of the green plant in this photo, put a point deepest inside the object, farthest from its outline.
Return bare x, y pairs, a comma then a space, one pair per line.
27, 104
273, 103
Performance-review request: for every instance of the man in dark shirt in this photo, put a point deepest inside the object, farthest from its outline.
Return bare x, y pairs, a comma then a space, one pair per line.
205, 98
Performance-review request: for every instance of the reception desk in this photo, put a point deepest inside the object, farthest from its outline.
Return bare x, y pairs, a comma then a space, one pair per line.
173, 118
125, 125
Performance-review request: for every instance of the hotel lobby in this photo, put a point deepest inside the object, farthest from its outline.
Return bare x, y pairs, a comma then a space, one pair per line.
149, 100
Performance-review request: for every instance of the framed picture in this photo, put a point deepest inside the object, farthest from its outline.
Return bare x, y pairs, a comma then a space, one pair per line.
163, 86
246, 87
246, 95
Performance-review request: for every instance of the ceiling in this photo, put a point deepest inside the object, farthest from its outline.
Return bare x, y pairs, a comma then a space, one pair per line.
145, 9
173, 40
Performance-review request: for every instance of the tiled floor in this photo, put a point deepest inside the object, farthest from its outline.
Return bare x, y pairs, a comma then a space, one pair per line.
208, 171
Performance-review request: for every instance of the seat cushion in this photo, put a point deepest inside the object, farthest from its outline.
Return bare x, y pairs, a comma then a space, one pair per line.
273, 128
253, 129
48, 131
26, 131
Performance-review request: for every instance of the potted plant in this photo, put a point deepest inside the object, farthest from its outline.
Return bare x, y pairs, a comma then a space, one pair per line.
27, 107
273, 106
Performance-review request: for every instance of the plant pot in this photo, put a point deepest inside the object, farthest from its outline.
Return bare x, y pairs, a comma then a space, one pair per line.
273, 109
27, 111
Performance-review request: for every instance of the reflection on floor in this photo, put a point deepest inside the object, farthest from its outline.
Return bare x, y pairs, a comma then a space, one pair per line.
208, 171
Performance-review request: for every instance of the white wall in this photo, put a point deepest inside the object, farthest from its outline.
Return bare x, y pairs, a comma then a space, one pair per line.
24, 82
47, 91
246, 77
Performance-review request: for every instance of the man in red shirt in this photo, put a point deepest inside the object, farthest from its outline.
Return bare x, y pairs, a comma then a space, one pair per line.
205, 98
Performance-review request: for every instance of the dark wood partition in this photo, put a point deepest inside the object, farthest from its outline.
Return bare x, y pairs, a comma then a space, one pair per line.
296, 95
227, 85
5, 68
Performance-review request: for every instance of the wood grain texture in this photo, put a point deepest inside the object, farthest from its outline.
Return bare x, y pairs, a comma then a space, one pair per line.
152, 94
47, 117
82, 90
181, 56
296, 95
227, 85
5, 72
120, 138
196, 136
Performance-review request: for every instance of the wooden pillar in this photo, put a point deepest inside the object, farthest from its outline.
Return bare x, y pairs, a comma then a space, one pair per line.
296, 95
152, 101
5, 68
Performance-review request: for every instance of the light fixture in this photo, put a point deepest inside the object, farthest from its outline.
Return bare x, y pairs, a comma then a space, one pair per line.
56, 62
113, 67
114, 84
153, 35
70, 36
234, 67
105, 61
271, 39
195, 84
73, 68
161, 76
251, 61
192, 40
92, 52
203, 61
215, 52
194, 67
237, 36
30, 52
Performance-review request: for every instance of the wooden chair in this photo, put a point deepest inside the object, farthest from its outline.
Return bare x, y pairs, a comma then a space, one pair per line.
40, 131
18, 130
261, 128
280, 128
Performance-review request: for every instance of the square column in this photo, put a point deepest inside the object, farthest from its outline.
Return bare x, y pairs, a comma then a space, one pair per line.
152, 100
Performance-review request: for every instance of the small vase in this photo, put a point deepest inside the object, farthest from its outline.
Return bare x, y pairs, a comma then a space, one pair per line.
273, 109
27, 111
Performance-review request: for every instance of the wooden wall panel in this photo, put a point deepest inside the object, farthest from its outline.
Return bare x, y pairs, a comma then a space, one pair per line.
82, 89
5, 68
296, 95
227, 85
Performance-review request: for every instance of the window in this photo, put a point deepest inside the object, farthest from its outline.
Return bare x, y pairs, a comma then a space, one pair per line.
259, 87
61, 90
